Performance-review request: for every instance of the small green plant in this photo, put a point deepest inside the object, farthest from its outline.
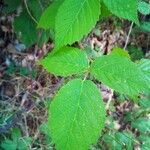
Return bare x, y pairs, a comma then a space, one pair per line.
135, 129
47, 141
144, 8
24, 71
77, 113
16, 141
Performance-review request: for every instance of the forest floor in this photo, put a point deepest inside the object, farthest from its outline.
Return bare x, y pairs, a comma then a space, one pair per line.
26, 89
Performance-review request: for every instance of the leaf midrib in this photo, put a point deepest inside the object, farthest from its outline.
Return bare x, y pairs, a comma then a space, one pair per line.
76, 112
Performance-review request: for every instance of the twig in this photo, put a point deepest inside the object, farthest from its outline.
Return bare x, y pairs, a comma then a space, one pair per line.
128, 36
25, 2
86, 75
109, 100
26, 126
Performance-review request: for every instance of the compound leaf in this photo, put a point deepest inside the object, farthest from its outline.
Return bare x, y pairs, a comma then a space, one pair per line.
126, 9
120, 74
67, 61
76, 115
74, 19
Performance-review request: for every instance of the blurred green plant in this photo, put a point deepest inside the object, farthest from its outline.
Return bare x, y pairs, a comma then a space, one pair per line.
16, 141
135, 135
24, 71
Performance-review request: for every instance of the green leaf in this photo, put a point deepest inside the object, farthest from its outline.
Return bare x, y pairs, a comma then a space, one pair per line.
126, 139
26, 29
9, 145
120, 52
119, 73
144, 65
25, 25
46, 3
23, 143
75, 18
145, 26
111, 142
119, 140
35, 8
43, 128
135, 52
47, 19
144, 8
142, 124
44, 37
67, 61
126, 9
145, 140
104, 11
15, 134
145, 103
76, 115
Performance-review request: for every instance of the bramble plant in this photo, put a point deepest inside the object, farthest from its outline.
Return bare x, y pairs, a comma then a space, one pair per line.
77, 113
